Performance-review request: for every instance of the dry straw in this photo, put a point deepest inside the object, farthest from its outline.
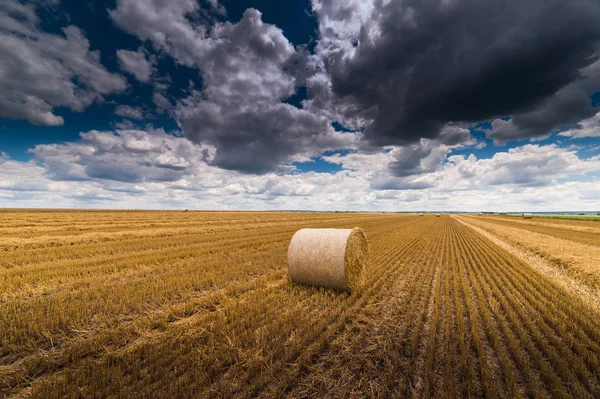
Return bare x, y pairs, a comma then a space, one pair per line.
331, 258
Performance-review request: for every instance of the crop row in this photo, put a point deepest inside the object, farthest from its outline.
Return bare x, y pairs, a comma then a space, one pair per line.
591, 237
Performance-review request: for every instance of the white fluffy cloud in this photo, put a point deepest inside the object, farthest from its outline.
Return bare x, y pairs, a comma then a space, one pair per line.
153, 169
586, 128
527, 166
40, 71
125, 155
177, 26
138, 63
530, 166
127, 111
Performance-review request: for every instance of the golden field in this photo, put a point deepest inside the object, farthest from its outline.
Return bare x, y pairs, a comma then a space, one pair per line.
199, 304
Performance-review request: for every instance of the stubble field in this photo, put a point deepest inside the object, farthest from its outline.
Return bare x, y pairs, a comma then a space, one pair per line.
198, 304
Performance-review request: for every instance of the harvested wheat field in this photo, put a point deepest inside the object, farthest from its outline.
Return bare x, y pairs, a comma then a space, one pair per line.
199, 304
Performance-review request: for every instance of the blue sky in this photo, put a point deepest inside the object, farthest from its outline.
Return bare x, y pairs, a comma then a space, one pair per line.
300, 105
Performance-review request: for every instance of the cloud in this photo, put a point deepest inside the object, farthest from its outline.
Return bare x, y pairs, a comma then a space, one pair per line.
407, 197
416, 159
567, 107
365, 163
167, 170
391, 183
138, 63
127, 111
527, 166
130, 156
249, 69
402, 71
161, 101
40, 71
407, 162
407, 68
240, 110
153, 169
91, 195
427, 156
160, 94
409, 78
586, 128
259, 138
177, 26
16, 177
517, 169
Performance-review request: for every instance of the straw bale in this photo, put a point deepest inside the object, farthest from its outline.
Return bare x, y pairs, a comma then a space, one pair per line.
331, 258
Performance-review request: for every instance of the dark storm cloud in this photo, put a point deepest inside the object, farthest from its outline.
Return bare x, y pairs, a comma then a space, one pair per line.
567, 107
256, 139
411, 66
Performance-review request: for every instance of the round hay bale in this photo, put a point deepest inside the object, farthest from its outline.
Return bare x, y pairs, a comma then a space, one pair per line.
331, 258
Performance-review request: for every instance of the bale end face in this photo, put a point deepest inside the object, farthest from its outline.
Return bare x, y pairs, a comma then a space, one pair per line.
355, 259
